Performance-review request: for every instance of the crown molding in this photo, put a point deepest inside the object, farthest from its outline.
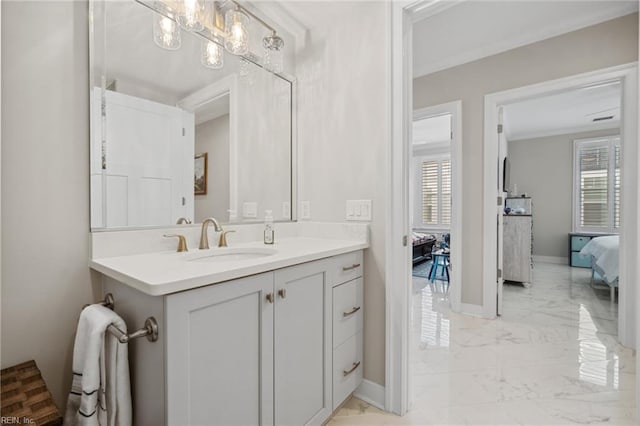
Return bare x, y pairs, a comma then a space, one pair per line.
518, 40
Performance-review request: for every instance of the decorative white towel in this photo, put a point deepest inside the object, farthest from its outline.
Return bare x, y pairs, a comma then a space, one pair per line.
100, 393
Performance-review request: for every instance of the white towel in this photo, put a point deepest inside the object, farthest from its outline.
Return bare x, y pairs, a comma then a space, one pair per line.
100, 393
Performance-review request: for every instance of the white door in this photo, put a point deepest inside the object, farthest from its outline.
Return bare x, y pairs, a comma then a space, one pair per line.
502, 154
302, 345
149, 162
220, 354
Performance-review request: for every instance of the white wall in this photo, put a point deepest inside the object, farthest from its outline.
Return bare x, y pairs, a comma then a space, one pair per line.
45, 188
600, 46
543, 168
212, 137
343, 140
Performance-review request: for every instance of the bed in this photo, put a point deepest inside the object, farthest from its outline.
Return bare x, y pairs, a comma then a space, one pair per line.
605, 255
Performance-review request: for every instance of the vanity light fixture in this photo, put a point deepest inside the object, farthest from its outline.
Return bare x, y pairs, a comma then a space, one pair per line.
235, 27
273, 57
212, 55
190, 14
166, 33
204, 18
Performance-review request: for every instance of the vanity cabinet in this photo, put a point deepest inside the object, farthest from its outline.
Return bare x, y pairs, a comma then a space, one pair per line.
302, 356
220, 354
278, 348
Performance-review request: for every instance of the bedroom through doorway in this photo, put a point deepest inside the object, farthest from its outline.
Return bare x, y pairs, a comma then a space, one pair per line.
561, 155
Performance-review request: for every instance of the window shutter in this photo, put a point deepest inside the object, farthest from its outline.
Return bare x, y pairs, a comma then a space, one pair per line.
593, 169
446, 192
430, 192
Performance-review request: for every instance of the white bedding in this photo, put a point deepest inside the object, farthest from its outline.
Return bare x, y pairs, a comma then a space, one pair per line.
606, 252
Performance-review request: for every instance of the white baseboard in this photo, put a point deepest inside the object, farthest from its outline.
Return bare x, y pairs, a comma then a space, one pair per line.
551, 259
371, 393
472, 310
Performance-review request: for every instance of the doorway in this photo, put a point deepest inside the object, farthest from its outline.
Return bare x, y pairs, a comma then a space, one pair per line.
397, 347
626, 78
561, 189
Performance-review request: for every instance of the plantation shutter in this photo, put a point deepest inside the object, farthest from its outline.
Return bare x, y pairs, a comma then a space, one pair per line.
430, 192
446, 192
594, 180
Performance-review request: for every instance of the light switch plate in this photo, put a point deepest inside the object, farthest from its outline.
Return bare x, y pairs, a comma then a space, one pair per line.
250, 210
359, 210
305, 210
286, 210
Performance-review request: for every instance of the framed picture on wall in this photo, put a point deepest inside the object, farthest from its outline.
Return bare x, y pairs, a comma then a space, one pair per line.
200, 174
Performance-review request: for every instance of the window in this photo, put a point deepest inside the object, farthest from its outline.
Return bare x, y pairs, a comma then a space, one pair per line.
597, 185
434, 191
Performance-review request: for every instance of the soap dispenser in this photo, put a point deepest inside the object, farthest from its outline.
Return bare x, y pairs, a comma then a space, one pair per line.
268, 227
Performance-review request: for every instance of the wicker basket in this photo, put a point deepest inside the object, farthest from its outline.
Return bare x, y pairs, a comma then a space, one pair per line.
26, 398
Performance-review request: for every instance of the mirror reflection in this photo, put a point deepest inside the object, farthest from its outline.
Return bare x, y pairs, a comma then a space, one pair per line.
181, 129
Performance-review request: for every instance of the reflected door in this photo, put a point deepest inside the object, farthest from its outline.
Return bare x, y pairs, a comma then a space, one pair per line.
147, 169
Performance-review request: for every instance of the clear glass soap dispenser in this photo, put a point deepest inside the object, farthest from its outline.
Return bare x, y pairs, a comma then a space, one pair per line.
268, 227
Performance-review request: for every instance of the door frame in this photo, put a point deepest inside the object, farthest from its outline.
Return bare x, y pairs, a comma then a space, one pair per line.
628, 76
398, 229
398, 252
227, 86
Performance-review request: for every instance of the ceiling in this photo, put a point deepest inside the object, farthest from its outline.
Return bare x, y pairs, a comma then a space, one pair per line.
562, 113
466, 31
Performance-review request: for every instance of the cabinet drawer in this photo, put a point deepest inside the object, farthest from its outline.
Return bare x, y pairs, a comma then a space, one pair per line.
346, 267
347, 368
580, 261
347, 311
577, 242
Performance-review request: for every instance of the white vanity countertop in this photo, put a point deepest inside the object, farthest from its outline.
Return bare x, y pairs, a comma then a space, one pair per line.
167, 272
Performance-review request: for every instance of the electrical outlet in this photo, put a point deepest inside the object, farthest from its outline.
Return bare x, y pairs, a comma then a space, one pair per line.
305, 210
250, 210
286, 210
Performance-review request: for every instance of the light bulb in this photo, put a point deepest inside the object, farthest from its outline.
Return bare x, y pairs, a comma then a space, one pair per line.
166, 33
212, 55
235, 27
191, 14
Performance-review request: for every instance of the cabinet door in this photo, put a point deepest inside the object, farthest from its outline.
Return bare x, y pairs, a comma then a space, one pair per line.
302, 345
220, 354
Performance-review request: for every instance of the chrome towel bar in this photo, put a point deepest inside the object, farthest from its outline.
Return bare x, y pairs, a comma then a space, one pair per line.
150, 329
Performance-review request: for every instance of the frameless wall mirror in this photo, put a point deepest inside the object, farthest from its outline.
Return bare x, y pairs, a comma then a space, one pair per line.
191, 114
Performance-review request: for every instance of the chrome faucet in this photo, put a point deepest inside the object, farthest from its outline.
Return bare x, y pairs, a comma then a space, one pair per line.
182, 220
204, 239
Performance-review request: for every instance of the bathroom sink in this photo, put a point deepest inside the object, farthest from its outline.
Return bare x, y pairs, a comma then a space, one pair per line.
232, 254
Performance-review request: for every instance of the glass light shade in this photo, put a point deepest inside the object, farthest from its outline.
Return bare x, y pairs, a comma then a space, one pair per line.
191, 14
273, 60
237, 36
212, 55
273, 57
166, 33
244, 67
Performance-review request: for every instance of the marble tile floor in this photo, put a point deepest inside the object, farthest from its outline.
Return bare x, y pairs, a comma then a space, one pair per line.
551, 359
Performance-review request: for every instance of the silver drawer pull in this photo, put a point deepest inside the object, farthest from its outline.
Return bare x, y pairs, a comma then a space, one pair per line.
355, 365
351, 312
348, 268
